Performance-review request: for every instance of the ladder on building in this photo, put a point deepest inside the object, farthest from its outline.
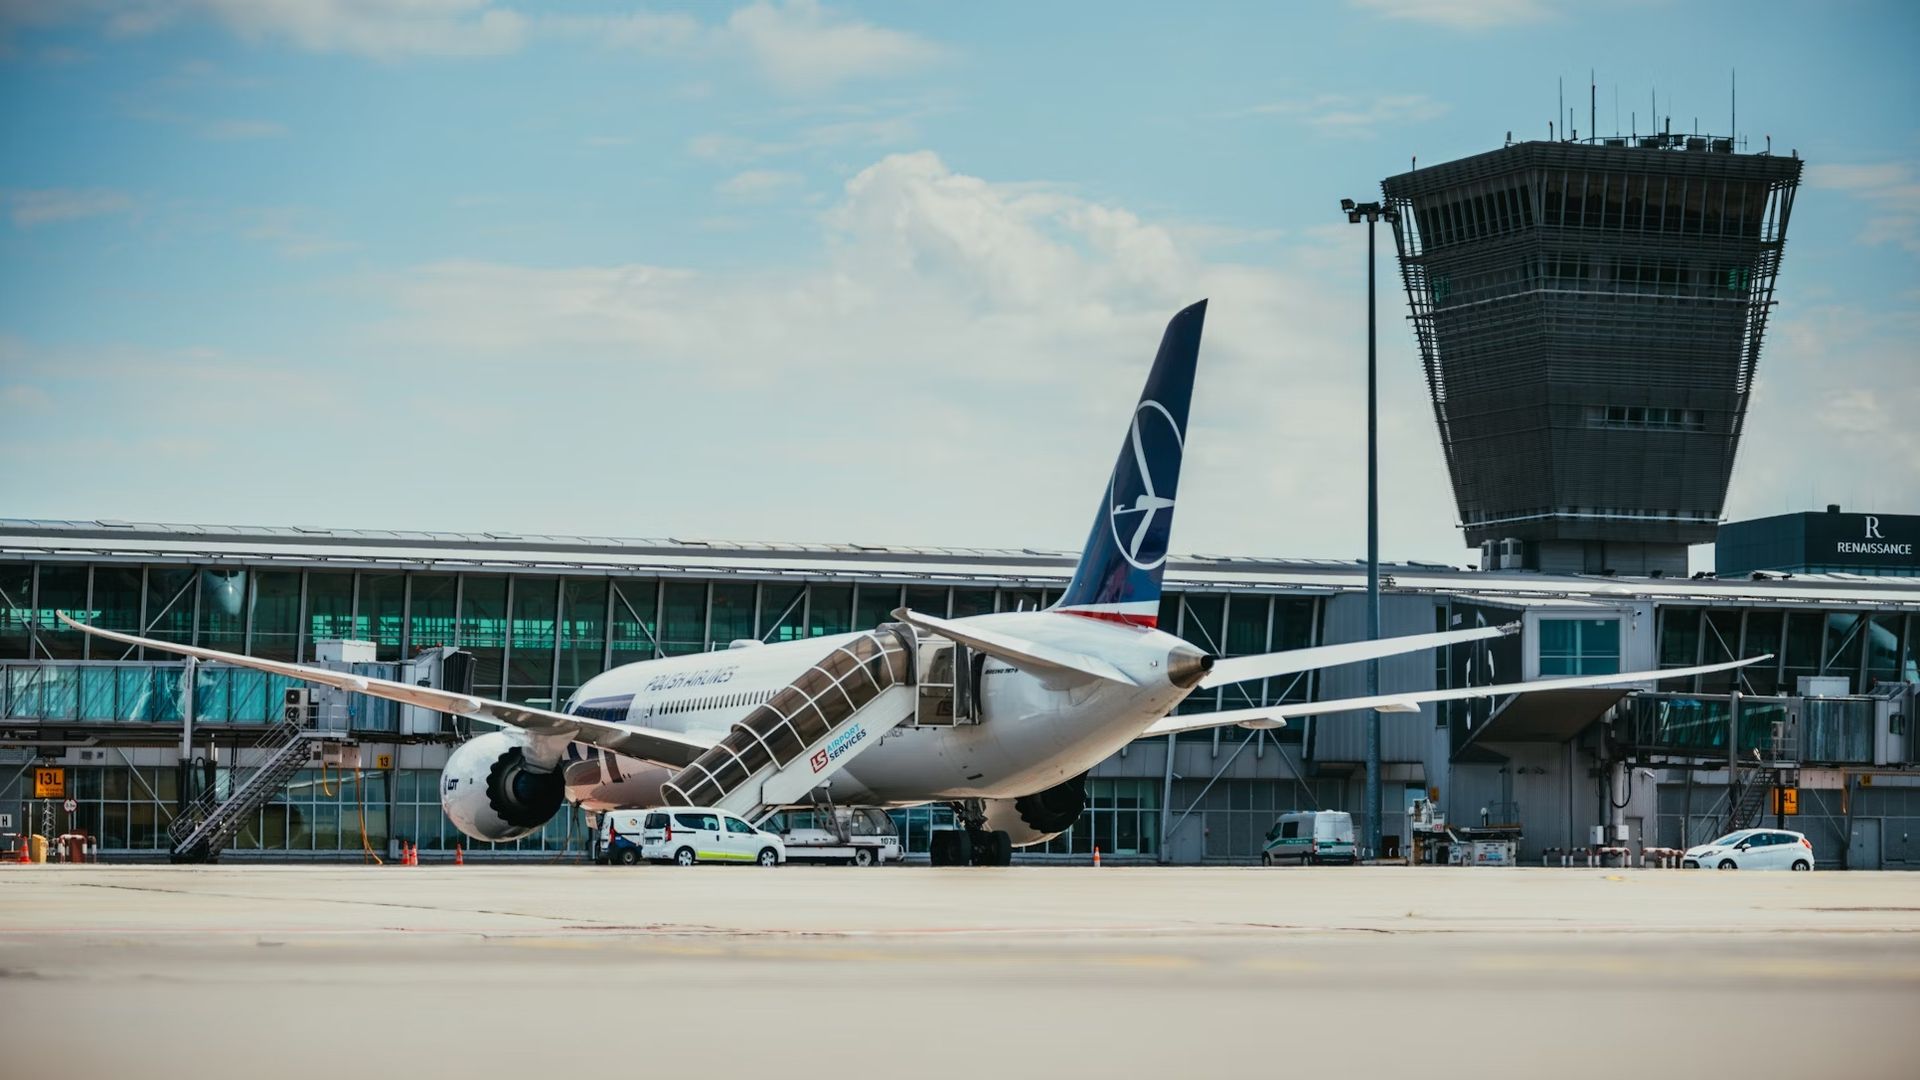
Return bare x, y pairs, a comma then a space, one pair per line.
208, 824
808, 731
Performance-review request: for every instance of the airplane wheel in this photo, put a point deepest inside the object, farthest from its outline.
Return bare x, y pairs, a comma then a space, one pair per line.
937, 849
683, 857
998, 848
863, 856
960, 848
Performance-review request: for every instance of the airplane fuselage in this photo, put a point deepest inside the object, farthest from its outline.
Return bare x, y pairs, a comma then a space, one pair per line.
1030, 734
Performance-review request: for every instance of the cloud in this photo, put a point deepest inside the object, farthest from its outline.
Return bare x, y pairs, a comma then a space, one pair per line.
798, 46
1808, 433
801, 46
1340, 114
382, 29
758, 184
732, 149
233, 130
1008, 324
1890, 189
1459, 14
31, 208
285, 230
21, 397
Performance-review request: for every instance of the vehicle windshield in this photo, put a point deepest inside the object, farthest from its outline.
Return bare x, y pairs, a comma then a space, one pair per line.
1730, 839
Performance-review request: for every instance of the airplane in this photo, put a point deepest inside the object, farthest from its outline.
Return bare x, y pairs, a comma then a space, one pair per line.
1032, 699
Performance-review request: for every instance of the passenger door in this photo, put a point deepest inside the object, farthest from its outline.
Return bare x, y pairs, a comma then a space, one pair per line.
743, 843
702, 834
1759, 853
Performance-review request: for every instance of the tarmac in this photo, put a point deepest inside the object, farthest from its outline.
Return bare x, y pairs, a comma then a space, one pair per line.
547, 971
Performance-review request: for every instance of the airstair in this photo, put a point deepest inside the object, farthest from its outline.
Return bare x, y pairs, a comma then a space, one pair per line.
808, 731
202, 830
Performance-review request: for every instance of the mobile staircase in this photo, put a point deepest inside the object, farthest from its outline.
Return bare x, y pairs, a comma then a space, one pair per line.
809, 730
1753, 783
202, 830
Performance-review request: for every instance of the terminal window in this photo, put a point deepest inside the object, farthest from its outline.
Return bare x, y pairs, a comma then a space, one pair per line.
1579, 646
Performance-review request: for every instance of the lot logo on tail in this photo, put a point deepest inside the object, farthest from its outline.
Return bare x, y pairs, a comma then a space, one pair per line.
1118, 577
1155, 438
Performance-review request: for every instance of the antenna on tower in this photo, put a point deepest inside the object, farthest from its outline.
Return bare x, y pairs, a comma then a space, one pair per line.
1733, 118
1562, 110
1593, 104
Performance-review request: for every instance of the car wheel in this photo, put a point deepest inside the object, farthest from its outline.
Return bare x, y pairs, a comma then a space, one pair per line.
1802, 864
863, 856
768, 857
628, 857
1266, 858
1729, 864
683, 857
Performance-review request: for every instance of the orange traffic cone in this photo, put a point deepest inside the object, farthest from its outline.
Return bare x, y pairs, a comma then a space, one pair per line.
25, 843
459, 855
413, 854
1096, 856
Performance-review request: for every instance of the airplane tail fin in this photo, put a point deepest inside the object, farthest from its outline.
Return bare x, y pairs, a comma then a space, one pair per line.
1118, 578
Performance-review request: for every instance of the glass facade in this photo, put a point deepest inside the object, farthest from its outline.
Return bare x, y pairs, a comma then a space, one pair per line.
537, 637
1579, 647
1865, 648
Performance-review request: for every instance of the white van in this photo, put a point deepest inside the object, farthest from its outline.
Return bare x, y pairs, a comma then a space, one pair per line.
1311, 836
685, 835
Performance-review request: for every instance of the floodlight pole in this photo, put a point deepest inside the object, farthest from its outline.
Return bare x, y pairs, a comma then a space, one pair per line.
1373, 213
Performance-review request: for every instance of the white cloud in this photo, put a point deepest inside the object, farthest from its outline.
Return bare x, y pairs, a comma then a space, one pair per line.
801, 46
758, 184
1892, 192
1341, 114
1811, 439
45, 206
285, 229
947, 323
1459, 14
383, 29
868, 132
232, 130
23, 397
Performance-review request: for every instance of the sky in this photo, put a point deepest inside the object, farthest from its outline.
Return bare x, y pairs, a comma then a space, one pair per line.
838, 272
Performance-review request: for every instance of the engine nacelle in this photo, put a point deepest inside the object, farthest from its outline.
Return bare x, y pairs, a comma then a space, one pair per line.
1037, 818
491, 792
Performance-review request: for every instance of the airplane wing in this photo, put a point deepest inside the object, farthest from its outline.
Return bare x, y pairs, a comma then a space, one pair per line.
665, 747
1277, 715
1039, 659
1235, 669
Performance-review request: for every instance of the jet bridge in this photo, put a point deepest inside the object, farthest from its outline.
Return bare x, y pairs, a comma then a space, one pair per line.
809, 730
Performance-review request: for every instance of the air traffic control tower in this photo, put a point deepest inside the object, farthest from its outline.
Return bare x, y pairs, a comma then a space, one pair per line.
1589, 314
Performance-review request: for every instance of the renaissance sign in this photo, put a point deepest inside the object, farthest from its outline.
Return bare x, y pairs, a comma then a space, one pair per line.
1868, 540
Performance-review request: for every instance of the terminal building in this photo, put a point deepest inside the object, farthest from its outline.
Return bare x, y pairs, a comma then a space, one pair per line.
1590, 317
538, 615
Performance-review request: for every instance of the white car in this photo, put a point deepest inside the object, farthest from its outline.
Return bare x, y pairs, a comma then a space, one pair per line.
1753, 849
685, 835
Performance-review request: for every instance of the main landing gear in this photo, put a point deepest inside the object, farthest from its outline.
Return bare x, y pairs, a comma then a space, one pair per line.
970, 844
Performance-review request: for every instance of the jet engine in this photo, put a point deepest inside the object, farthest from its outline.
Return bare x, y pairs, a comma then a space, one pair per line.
491, 791
1037, 818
